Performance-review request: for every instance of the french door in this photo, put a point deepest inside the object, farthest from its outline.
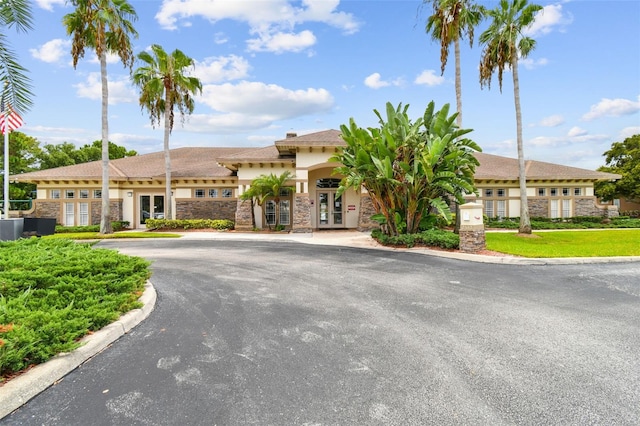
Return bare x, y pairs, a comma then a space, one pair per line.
151, 207
330, 209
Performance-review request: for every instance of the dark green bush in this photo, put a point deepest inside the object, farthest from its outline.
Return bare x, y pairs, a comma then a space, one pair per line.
431, 238
219, 224
54, 291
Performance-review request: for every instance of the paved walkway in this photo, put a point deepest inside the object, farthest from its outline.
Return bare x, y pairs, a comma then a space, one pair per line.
22, 388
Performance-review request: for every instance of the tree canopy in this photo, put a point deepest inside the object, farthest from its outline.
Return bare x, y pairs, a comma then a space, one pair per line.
409, 168
67, 154
622, 158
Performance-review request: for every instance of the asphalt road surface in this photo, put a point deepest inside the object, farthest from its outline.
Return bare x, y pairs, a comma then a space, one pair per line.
277, 333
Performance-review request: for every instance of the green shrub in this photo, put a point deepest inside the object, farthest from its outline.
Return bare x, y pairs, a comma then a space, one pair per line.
118, 225
219, 224
431, 238
54, 291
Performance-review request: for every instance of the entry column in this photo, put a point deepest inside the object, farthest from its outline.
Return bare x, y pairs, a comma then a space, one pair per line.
301, 208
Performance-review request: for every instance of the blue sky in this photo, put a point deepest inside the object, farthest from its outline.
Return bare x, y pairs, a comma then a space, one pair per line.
269, 67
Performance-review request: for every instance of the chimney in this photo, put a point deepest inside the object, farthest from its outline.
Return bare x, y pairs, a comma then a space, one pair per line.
292, 135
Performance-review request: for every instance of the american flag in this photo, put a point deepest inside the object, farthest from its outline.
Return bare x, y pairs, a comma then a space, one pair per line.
9, 119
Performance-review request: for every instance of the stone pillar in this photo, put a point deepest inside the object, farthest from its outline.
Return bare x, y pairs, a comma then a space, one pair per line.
366, 211
472, 237
243, 216
301, 214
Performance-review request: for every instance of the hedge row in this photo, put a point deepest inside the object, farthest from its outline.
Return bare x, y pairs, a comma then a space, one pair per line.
431, 238
118, 225
219, 224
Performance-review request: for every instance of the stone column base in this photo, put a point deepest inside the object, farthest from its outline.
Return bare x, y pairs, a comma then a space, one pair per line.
472, 238
243, 216
301, 214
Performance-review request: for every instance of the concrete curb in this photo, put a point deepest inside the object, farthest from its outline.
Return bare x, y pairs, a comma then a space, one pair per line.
18, 391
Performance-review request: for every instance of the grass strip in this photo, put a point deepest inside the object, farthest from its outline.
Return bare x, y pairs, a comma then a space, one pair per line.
599, 243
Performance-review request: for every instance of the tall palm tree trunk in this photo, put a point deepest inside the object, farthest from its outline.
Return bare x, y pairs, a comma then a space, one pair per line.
525, 223
167, 159
105, 219
456, 44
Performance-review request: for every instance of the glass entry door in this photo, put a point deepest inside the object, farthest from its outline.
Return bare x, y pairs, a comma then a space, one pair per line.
330, 210
151, 207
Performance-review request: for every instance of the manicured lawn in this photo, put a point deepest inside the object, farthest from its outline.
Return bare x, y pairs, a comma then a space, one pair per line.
599, 243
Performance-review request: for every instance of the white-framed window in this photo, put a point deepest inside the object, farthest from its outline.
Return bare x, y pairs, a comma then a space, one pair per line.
97, 193
55, 194
227, 193
488, 192
213, 193
285, 212
566, 208
83, 214
501, 209
69, 193
488, 208
270, 212
199, 193
501, 192
577, 192
69, 214
565, 192
554, 192
542, 192
83, 193
553, 213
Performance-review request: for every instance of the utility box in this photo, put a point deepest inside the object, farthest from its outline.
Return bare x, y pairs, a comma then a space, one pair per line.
39, 226
11, 229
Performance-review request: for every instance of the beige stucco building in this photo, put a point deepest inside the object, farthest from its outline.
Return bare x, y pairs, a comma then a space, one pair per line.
207, 184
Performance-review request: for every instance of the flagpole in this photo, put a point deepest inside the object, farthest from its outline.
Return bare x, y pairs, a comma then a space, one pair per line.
6, 171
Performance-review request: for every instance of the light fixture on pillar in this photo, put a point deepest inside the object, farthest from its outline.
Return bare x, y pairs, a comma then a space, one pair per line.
130, 194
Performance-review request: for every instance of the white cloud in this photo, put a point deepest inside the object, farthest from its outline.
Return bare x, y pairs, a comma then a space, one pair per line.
374, 81
120, 90
282, 42
612, 108
52, 51
627, 132
48, 4
576, 131
530, 64
259, 98
429, 78
273, 22
549, 18
552, 121
221, 68
220, 38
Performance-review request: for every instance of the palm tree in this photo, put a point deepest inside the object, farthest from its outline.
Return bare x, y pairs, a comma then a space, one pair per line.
164, 86
106, 27
17, 87
504, 44
451, 21
269, 187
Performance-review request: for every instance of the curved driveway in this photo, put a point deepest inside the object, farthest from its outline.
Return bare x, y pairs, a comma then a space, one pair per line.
282, 333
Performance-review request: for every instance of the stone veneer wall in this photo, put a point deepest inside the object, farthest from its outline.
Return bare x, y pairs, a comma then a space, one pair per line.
472, 239
243, 216
538, 207
206, 209
301, 213
115, 211
364, 217
588, 206
54, 209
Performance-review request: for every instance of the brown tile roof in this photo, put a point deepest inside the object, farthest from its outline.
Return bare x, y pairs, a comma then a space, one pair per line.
222, 162
185, 163
495, 167
325, 138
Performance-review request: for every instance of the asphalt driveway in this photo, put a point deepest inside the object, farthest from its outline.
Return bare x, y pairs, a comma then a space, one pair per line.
280, 333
